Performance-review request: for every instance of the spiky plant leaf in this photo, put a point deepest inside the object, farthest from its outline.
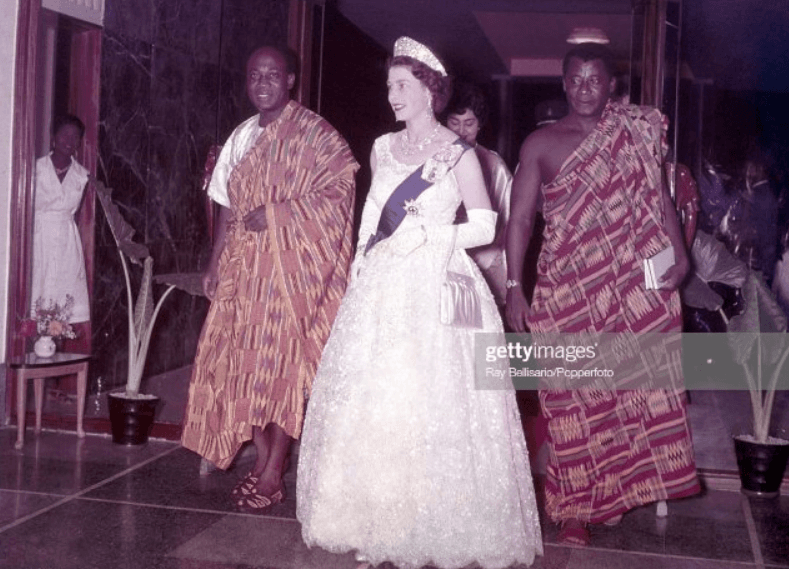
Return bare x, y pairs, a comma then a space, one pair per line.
143, 307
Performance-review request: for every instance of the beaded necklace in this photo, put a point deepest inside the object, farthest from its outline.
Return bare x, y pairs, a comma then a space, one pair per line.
410, 148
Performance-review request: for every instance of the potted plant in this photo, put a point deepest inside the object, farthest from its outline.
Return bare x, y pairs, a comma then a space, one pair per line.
759, 344
132, 412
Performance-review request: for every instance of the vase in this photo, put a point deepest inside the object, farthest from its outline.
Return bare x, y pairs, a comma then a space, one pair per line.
44, 347
131, 419
761, 466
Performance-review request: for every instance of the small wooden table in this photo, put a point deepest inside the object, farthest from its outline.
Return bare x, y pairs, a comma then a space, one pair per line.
38, 369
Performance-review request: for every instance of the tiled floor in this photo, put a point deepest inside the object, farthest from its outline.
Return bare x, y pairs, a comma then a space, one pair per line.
70, 503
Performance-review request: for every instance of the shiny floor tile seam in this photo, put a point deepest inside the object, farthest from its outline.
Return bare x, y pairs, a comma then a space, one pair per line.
753, 535
81, 493
186, 509
652, 554
35, 493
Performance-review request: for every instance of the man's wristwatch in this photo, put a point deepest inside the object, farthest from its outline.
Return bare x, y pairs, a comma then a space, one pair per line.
511, 284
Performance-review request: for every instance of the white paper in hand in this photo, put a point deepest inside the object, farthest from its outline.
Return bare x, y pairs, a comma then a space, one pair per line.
656, 266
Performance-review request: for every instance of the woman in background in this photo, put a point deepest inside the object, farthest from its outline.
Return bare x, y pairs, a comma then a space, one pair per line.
467, 113
58, 260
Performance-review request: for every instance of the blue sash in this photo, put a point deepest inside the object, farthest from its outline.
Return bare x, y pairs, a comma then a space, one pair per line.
394, 210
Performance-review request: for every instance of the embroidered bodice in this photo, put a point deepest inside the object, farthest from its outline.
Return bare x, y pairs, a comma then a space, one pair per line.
437, 205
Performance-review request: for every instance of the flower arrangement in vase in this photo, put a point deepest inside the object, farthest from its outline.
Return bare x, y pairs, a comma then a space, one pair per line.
51, 321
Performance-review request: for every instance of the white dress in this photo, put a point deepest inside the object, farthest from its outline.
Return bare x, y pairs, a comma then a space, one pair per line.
58, 260
402, 459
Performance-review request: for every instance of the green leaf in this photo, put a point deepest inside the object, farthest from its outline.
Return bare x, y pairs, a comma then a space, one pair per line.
189, 282
122, 232
143, 308
712, 262
696, 294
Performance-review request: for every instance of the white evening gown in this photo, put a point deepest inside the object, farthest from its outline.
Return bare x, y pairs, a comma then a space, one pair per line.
402, 459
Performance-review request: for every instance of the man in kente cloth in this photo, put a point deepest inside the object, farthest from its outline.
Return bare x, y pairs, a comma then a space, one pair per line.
606, 209
277, 274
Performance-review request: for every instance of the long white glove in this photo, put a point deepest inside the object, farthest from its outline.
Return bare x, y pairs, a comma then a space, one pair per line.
480, 229
369, 224
370, 216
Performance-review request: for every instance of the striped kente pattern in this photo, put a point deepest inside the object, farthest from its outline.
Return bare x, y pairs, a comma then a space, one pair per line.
279, 290
610, 451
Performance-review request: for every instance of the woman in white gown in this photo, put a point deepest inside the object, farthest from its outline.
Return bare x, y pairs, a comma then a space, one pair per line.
402, 459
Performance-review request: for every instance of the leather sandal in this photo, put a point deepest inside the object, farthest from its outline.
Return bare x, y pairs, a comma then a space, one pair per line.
245, 485
254, 502
248, 482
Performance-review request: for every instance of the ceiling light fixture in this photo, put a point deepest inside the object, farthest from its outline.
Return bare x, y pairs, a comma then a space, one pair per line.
588, 35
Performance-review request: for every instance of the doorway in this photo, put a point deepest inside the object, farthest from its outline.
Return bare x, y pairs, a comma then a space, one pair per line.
57, 72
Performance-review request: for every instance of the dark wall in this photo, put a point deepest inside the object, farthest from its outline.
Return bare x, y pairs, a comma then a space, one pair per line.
526, 95
172, 84
353, 91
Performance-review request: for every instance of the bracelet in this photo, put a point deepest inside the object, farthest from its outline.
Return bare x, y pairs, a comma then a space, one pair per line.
511, 283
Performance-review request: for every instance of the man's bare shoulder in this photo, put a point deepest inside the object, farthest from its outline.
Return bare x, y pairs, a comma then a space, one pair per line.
548, 147
545, 139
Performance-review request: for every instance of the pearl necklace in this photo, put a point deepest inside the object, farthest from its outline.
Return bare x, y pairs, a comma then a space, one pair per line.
61, 171
410, 148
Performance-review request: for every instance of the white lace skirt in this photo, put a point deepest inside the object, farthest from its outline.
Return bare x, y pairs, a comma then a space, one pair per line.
402, 459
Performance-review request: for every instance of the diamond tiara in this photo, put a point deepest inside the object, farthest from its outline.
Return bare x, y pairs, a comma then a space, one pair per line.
412, 48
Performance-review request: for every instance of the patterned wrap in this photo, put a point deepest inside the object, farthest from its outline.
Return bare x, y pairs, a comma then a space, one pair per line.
610, 451
279, 290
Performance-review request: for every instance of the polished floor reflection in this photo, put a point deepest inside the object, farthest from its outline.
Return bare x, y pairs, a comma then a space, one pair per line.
87, 503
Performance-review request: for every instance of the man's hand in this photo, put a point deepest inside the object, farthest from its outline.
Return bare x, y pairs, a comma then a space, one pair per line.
255, 220
675, 274
517, 310
210, 282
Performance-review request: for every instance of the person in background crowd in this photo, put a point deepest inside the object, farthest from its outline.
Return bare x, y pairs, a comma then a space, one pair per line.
467, 114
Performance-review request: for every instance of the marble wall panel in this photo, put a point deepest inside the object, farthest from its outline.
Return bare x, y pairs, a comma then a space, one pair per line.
248, 25
182, 127
189, 26
234, 106
132, 18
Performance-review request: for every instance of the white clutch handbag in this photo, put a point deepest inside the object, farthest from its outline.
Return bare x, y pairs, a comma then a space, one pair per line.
460, 305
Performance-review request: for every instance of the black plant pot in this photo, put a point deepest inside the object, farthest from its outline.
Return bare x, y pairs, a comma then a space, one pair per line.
761, 467
131, 419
